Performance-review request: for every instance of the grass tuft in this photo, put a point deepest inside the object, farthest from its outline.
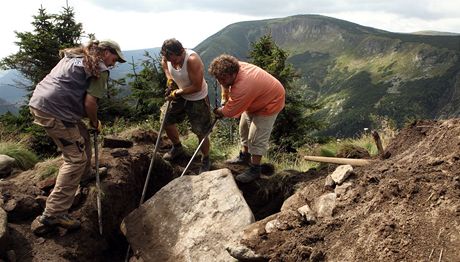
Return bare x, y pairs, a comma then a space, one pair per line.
25, 159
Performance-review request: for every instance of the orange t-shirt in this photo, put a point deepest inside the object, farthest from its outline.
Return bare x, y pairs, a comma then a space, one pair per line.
254, 91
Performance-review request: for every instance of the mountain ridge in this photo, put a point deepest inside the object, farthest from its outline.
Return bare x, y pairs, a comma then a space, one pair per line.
357, 73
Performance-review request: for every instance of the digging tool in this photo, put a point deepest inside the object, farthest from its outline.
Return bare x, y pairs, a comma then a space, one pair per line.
199, 146
338, 160
378, 142
216, 105
152, 161
98, 180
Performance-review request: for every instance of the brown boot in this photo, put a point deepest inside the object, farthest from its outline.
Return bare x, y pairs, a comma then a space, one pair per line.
64, 221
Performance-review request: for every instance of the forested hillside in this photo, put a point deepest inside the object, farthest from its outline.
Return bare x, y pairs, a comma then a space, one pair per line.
357, 73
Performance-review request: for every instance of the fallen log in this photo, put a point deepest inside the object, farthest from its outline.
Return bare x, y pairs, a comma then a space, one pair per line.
338, 160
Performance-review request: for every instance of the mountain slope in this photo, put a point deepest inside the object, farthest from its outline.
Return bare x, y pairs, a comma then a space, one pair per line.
358, 73
13, 89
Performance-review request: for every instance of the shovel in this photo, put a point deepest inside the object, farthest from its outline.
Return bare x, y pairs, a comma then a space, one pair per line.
98, 181
152, 161
199, 146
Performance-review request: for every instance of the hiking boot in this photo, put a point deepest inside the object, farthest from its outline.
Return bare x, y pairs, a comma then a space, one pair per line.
242, 159
40, 229
174, 153
249, 175
64, 221
205, 165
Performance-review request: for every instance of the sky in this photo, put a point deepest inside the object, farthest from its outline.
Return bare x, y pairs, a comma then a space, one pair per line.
140, 24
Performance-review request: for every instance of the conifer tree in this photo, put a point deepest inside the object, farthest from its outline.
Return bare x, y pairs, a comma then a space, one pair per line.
38, 54
147, 89
294, 123
39, 50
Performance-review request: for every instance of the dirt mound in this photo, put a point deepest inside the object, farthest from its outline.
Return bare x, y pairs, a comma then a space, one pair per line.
122, 189
405, 208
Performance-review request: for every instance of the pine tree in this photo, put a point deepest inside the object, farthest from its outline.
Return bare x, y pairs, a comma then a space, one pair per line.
147, 89
39, 50
294, 123
38, 54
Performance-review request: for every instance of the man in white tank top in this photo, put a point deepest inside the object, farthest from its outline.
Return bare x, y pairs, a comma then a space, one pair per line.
190, 98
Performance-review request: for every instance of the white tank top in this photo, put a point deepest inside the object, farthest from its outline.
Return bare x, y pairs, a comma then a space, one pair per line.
182, 79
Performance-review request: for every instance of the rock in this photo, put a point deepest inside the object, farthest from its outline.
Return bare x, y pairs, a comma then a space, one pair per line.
47, 184
257, 229
22, 207
243, 253
329, 182
193, 218
342, 189
307, 213
272, 226
6, 165
341, 173
325, 205
3, 230
293, 202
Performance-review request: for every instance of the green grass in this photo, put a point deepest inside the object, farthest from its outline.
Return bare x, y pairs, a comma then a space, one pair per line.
25, 159
48, 171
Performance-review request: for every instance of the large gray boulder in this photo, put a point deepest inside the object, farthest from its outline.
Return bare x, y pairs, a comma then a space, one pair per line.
6, 165
193, 218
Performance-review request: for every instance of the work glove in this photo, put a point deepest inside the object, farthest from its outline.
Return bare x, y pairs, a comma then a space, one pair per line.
96, 129
173, 95
170, 86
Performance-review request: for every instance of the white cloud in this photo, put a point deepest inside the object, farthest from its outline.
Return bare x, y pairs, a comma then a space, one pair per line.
146, 23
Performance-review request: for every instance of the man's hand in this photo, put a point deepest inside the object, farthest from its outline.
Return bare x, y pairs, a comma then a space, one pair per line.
98, 128
171, 84
218, 112
174, 94
168, 91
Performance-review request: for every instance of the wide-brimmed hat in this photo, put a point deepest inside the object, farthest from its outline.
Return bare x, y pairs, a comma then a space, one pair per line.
115, 46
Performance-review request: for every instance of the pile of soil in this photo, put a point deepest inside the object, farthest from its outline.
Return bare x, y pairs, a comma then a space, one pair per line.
406, 207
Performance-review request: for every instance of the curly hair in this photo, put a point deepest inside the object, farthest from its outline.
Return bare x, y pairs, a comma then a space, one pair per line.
223, 65
92, 55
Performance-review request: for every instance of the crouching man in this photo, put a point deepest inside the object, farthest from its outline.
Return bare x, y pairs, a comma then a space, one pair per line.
255, 96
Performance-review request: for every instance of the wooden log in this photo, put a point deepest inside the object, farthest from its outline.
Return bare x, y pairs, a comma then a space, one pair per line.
338, 160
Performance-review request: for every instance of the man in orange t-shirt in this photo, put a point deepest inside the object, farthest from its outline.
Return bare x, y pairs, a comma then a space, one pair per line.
255, 96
